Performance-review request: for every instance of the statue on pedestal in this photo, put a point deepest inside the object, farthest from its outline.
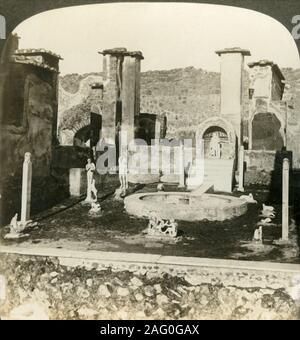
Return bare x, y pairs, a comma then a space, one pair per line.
215, 146
91, 183
120, 193
95, 209
258, 235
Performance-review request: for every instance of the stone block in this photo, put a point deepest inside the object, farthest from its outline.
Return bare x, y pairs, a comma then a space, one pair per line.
77, 181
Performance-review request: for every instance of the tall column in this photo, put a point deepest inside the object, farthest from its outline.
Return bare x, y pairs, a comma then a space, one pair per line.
285, 199
181, 164
121, 96
129, 97
232, 65
26, 188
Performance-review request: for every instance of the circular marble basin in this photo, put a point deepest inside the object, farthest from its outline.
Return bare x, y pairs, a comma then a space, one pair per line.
185, 206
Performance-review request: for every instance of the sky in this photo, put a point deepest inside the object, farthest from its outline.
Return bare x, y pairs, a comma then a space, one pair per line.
170, 35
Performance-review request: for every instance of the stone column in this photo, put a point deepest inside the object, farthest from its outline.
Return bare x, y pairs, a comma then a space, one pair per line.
241, 168
129, 97
232, 66
181, 164
285, 199
157, 128
26, 188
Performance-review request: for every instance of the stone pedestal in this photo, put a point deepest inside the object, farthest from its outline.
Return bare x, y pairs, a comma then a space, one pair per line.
77, 181
181, 166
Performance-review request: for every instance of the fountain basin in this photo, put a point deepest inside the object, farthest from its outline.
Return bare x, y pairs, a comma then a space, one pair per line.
185, 206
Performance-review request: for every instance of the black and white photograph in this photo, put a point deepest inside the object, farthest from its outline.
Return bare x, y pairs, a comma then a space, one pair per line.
149, 162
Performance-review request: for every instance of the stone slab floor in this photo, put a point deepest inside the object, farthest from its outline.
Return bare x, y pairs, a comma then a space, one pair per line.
115, 230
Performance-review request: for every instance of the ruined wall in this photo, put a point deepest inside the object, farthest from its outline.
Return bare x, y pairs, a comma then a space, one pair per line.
186, 96
76, 98
292, 95
35, 132
35, 94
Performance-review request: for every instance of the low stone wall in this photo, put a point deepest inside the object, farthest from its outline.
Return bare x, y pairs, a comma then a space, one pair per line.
69, 288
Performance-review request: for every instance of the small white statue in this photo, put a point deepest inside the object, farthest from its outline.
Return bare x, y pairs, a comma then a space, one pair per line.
258, 235
267, 208
123, 170
172, 228
17, 227
267, 214
27, 157
91, 183
120, 193
160, 187
159, 228
249, 198
95, 209
215, 146
267, 220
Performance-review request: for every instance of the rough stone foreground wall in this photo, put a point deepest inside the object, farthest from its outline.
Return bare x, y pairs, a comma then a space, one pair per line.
46, 287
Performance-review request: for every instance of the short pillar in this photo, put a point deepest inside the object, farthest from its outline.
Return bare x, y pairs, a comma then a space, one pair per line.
77, 181
157, 129
285, 199
181, 166
26, 188
241, 168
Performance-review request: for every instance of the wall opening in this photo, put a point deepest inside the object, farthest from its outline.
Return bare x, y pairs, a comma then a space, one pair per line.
216, 143
82, 137
266, 134
145, 127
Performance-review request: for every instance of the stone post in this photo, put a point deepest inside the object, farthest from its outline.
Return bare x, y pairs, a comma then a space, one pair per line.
232, 67
157, 128
26, 188
285, 199
181, 166
77, 181
241, 168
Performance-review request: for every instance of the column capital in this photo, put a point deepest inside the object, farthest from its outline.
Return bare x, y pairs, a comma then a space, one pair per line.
231, 50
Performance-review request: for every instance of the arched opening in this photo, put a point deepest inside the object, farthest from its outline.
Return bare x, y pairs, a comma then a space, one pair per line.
82, 137
216, 143
266, 132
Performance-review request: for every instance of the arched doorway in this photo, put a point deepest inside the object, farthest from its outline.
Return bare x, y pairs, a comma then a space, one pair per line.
82, 137
267, 132
216, 143
217, 133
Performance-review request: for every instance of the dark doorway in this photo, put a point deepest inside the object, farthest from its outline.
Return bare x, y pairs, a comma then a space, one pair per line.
82, 137
96, 127
265, 132
146, 127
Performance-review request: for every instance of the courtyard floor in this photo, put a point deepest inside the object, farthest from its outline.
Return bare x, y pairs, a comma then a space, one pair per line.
69, 226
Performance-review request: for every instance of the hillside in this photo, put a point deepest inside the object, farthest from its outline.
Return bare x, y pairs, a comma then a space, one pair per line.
178, 93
